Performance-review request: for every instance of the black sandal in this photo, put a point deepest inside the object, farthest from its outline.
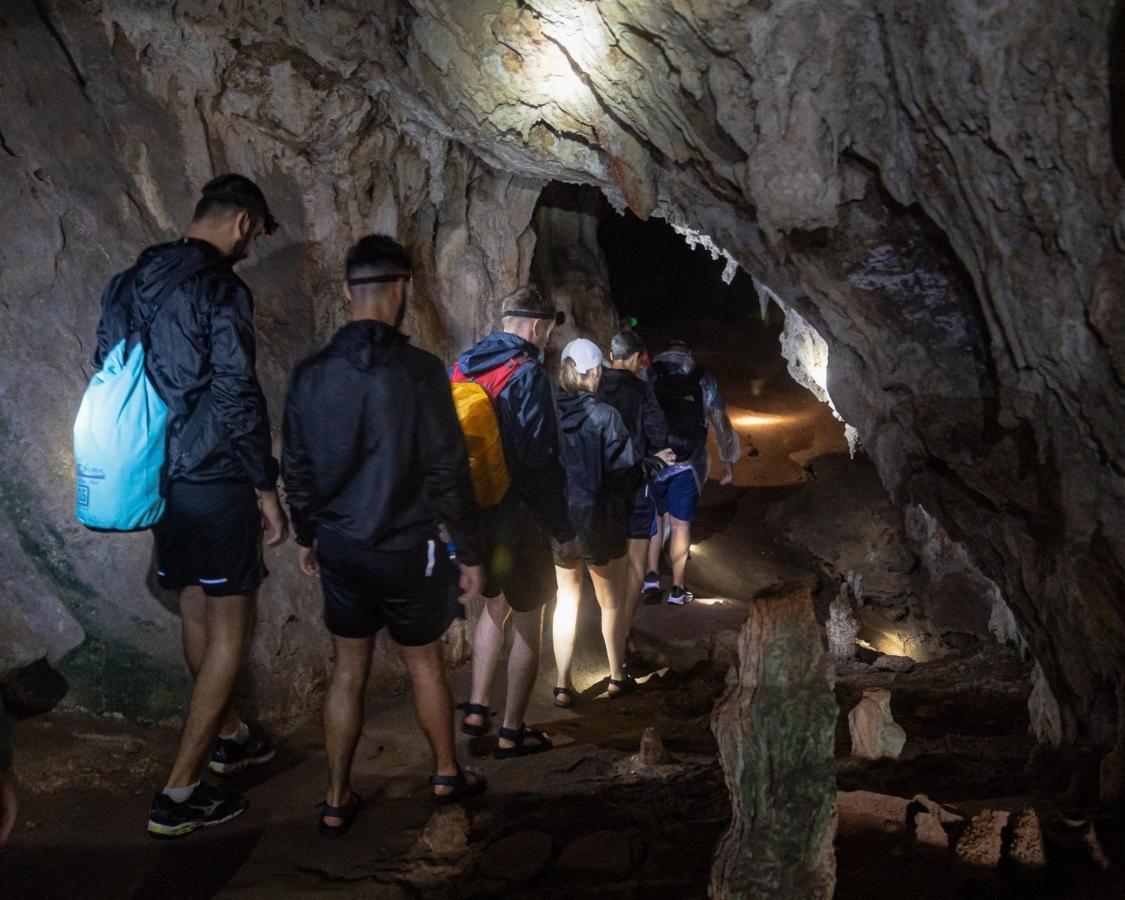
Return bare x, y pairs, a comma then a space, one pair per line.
518, 736
474, 709
559, 692
624, 686
346, 814
462, 787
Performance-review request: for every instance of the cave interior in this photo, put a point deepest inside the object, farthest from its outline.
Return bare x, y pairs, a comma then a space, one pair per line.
895, 232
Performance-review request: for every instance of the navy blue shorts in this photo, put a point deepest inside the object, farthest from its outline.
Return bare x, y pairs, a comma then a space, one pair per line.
210, 537
677, 495
642, 515
413, 593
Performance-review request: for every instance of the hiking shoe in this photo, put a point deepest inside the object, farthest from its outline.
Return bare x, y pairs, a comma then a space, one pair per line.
679, 597
230, 757
206, 806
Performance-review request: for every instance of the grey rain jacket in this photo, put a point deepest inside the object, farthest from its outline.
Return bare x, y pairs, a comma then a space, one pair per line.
200, 360
717, 419
372, 448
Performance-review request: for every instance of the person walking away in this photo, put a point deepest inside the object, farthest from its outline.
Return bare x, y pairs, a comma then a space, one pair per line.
631, 396
374, 464
601, 472
692, 404
518, 531
200, 359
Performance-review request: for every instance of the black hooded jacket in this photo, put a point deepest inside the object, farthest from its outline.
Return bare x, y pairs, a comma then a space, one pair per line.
372, 448
200, 359
639, 408
601, 471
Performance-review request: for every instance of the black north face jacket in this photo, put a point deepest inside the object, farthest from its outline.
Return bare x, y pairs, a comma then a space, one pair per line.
200, 359
372, 448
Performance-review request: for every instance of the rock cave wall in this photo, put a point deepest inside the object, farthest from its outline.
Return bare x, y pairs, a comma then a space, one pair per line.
931, 186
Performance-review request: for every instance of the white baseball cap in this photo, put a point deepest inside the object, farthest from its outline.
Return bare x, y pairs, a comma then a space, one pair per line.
585, 353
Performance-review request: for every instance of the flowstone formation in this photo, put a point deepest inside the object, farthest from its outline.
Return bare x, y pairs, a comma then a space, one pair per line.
932, 187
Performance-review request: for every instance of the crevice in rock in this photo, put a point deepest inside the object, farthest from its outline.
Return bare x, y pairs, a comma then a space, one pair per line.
49, 24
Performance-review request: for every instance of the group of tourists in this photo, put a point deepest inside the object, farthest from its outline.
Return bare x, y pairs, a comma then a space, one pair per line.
413, 491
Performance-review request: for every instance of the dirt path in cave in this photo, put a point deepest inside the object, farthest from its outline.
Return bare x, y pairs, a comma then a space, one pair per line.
580, 821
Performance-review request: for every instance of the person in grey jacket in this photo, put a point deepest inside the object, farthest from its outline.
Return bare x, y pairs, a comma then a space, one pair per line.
692, 405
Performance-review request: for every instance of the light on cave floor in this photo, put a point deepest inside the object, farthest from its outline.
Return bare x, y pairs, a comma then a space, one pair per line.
713, 601
757, 420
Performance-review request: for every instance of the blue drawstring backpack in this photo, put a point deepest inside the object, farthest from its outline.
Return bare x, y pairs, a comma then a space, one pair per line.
120, 434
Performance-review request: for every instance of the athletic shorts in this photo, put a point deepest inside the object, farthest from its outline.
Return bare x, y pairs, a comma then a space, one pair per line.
641, 515
677, 495
519, 561
413, 593
210, 537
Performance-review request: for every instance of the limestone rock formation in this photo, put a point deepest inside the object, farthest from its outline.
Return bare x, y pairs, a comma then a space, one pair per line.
774, 727
932, 187
983, 841
874, 732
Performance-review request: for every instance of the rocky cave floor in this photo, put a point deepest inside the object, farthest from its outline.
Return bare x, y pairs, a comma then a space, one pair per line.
586, 819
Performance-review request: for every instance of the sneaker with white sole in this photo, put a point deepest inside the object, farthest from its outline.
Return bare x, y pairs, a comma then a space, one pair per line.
205, 807
652, 583
679, 597
230, 757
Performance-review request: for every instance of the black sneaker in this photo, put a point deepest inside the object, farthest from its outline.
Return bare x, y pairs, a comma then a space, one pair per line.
679, 597
650, 590
206, 806
229, 756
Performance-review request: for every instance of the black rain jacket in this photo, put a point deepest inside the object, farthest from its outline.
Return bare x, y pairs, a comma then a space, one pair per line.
200, 359
371, 445
639, 408
601, 472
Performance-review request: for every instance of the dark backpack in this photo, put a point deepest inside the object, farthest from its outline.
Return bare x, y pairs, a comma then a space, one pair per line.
681, 397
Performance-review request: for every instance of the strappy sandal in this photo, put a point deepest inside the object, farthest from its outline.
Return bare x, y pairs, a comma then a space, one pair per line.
346, 814
622, 686
564, 697
474, 709
463, 789
519, 736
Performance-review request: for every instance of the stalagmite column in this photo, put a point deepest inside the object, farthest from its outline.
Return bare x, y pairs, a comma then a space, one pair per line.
775, 729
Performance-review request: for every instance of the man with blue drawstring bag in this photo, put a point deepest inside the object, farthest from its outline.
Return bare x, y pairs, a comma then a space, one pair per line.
173, 435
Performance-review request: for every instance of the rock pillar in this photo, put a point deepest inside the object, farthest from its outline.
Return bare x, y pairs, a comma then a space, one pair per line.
775, 729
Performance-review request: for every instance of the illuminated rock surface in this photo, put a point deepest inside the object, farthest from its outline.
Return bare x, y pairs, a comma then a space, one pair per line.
932, 187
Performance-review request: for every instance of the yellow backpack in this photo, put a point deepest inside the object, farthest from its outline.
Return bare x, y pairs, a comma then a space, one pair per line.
473, 398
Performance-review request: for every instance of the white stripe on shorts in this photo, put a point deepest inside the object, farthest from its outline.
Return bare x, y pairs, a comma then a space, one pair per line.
429, 558
212, 581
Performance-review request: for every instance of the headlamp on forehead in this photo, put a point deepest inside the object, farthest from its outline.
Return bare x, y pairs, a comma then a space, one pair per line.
558, 315
381, 279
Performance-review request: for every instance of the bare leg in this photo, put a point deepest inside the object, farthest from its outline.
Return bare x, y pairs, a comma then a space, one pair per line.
343, 715
565, 621
488, 639
608, 580
523, 666
638, 549
678, 545
228, 622
656, 544
434, 706
193, 621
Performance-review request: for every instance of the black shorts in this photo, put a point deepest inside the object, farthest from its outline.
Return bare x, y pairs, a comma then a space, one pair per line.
519, 562
411, 592
641, 515
210, 537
